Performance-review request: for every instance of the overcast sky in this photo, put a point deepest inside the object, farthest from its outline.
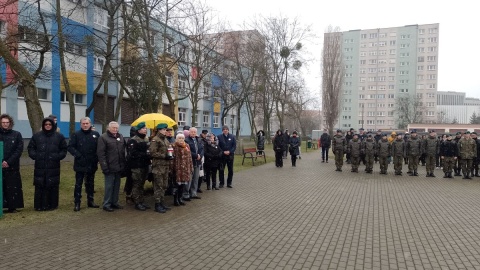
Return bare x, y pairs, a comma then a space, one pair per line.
459, 31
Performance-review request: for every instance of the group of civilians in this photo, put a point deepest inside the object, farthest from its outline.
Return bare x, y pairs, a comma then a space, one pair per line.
181, 162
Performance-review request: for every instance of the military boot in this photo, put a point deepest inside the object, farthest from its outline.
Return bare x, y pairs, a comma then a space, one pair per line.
446, 175
450, 175
468, 175
415, 173
432, 175
159, 208
464, 176
140, 207
457, 172
176, 202
164, 206
91, 204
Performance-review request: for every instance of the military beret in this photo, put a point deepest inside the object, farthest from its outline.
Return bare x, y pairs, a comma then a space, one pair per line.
186, 127
474, 133
459, 133
140, 125
352, 129
432, 130
162, 126
169, 128
204, 131
468, 132
362, 129
339, 130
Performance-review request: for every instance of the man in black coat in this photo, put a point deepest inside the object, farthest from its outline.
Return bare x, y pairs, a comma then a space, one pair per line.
12, 150
325, 142
228, 144
83, 146
196, 150
47, 148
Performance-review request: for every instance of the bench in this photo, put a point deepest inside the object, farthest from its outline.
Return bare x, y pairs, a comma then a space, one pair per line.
252, 154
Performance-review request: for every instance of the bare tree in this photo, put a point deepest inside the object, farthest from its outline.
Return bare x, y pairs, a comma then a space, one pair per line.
409, 110
27, 43
332, 76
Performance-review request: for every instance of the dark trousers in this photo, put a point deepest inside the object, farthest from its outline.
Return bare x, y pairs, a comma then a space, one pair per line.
112, 189
12, 189
279, 158
228, 161
325, 153
127, 189
294, 160
89, 183
211, 176
45, 198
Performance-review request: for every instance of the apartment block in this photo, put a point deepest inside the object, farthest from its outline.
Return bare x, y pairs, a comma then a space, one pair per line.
385, 63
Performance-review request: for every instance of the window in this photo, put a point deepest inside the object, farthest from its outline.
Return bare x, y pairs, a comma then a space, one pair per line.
363, 71
382, 44
430, 95
382, 52
169, 44
391, 69
421, 40
393, 61
371, 114
232, 122
404, 63
393, 42
404, 36
372, 61
421, 31
420, 96
77, 98
404, 90
206, 119
370, 122
182, 116
390, 113
432, 67
363, 62
391, 95
403, 72
381, 105
432, 76
404, 46
421, 49
419, 77
431, 58
430, 113
98, 63
432, 30
363, 53
420, 68
391, 78
432, 86
168, 79
391, 87
380, 113
216, 120
371, 105
432, 49
420, 86
363, 36
42, 93
404, 54
372, 53
382, 87
430, 104
100, 16
361, 88
432, 40
182, 86
373, 35
391, 105
383, 35
372, 87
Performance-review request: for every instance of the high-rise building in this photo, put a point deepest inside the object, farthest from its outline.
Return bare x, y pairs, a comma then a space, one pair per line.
381, 65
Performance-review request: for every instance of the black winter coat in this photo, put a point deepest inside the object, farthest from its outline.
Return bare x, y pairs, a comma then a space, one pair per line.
325, 140
195, 151
12, 148
47, 148
138, 154
448, 149
213, 156
279, 143
111, 153
260, 141
83, 146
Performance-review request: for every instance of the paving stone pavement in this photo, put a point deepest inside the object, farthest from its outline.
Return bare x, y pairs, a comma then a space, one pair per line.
308, 217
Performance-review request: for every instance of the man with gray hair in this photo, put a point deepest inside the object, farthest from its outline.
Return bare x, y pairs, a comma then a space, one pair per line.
196, 150
83, 146
111, 156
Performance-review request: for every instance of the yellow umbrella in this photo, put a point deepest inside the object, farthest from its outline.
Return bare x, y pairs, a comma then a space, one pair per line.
153, 119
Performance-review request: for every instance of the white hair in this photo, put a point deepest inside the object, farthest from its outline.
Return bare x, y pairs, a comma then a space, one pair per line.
85, 119
112, 123
193, 129
180, 135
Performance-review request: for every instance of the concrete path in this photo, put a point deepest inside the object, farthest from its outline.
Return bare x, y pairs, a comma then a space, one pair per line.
308, 217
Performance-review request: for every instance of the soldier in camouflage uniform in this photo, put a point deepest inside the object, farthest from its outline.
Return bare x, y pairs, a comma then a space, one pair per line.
430, 148
414, 151
138, 161
354, 149
467, 149
160, 166
448, 154
476, 160
398, 153
339, 146
457, 167
384, 151
368, 148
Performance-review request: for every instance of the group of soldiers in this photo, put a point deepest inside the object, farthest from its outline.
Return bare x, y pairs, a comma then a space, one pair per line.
457, 154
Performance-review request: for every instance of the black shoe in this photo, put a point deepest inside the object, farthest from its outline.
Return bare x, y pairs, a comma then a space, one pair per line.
221, 186
140, 207
215, 188
91, 204
77, 207
146, 206
108, 209
159, 208
165, 207
196, 197
117, 206
446, 175
187, 199
432, 175
326, 161
229, 186
323, 161
208, 188
200, 191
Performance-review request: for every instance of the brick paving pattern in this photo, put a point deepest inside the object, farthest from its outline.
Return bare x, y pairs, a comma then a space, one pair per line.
308, 217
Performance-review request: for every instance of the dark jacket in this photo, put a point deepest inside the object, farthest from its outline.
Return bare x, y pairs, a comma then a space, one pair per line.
398, 148
339, 144
325, 140
111, 153
448, 149
213, 156
430, 146
12, 148
414, 146
294, 148
384, 148
369, 147
260, 140
195, 150
279, 143
138, 154
227, 143
83, 146
47, 148
354, 147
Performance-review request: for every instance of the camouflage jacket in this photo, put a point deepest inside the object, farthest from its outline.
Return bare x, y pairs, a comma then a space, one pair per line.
158, 151
354, 147
398, 148
384, 148
467, 148
339, 143
430, 146
369, 147
414, 146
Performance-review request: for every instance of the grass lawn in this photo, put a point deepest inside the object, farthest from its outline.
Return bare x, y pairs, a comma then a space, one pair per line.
28, 215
